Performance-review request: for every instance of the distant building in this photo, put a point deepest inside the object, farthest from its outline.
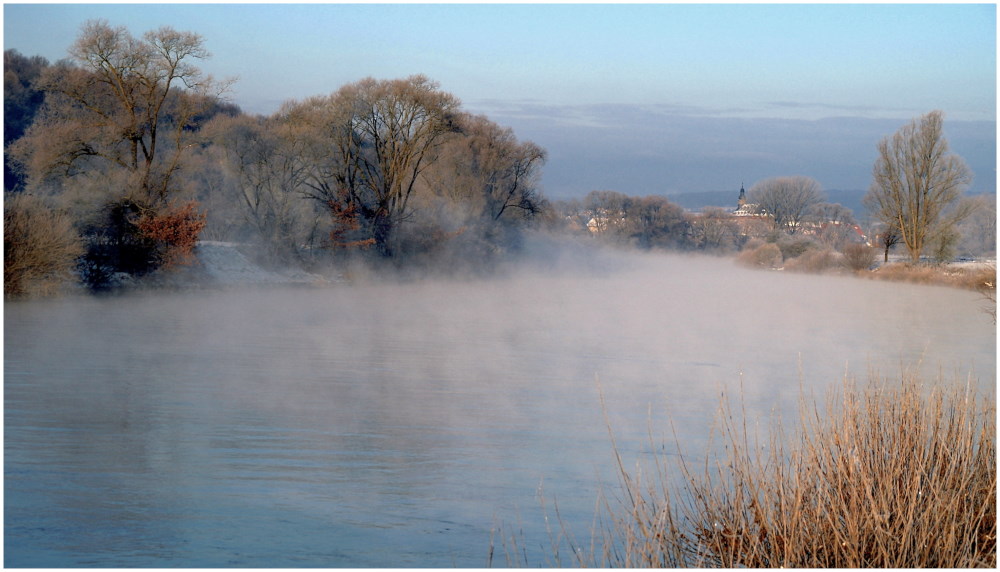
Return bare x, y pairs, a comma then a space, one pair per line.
743, 208
604, 219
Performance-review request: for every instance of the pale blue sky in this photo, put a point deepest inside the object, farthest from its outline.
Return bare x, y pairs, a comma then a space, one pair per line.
775, 60
536, 67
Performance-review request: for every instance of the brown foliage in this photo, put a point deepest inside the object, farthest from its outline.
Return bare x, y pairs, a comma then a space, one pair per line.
941, 274
345, 223
889, 477
858, 257
814, 260
40, 247
766, 255
175, 232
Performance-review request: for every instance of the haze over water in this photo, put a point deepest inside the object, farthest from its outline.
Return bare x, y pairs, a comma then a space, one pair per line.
396, 424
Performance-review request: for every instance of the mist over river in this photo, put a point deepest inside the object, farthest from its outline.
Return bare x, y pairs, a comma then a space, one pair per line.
395, 424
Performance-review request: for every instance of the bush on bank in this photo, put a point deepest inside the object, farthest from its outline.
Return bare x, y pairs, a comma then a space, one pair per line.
40, 247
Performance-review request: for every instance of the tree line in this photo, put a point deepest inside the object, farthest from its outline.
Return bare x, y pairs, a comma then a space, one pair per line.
119, 158
132, 142
777, 207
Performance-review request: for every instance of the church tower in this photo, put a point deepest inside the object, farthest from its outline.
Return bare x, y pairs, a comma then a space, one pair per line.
743, 198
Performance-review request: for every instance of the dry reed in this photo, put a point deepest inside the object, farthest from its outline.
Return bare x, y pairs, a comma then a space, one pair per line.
887, 475
971, 278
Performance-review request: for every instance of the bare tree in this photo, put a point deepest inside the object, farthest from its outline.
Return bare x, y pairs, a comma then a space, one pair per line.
787, 200
312, 131
502, 171
262, 158
384, 135
715, 230
654, 221
858, 257
21, 101
607, 211
126, 106
837, 226
888, 238
979, 230
916, 181
480, 191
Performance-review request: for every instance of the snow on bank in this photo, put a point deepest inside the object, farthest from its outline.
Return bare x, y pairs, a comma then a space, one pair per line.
223, 263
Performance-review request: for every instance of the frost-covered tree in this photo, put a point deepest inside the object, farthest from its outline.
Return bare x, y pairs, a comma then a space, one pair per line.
787, 200
917, 183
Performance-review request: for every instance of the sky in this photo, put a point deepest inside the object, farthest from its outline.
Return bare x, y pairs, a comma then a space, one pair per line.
639, 98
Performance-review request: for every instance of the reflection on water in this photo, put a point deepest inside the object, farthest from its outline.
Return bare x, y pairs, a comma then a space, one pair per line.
395, 425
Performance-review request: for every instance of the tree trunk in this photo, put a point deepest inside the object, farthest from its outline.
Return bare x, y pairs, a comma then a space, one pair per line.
382, 233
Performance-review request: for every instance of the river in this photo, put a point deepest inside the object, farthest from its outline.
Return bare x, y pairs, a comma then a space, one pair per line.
403, 424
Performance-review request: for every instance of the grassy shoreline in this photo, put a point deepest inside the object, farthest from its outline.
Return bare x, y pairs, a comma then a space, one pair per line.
966, 276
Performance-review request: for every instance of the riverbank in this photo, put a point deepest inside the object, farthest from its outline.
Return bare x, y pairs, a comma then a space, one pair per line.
222, 264
231, 264
228, 263
970, 275
225, 263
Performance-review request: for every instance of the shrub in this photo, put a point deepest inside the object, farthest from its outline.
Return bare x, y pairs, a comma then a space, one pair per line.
908, 272
40, 247
133, 239
115, 246
858, 257
984, 277
174, 233
973, 277
814, 260
944, 247
766, 255
794, 247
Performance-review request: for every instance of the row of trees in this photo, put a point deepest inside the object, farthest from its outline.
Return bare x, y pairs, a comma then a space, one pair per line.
779, 205
128, 135
916, 199
133, 145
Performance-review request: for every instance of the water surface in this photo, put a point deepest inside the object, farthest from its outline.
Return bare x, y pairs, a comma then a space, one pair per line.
395, 425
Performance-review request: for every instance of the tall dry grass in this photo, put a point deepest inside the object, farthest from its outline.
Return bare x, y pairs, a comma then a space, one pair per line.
971, 278
887, 476
884, 475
